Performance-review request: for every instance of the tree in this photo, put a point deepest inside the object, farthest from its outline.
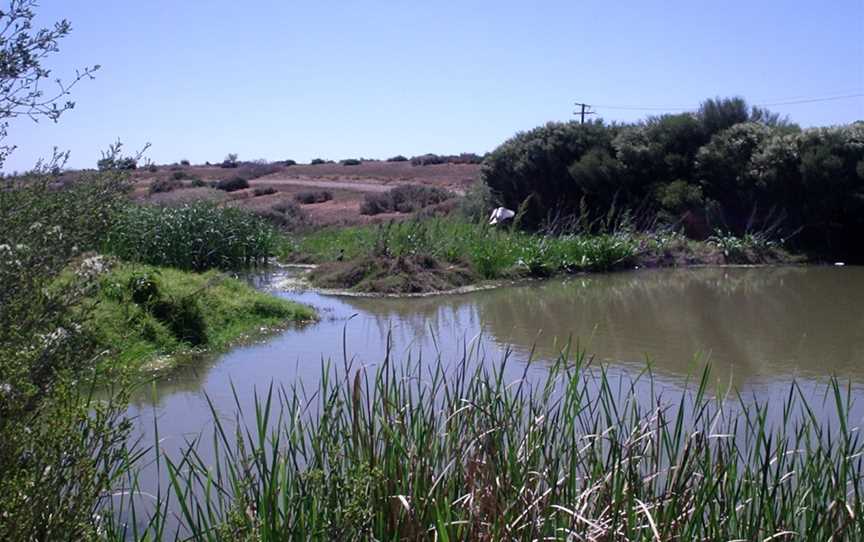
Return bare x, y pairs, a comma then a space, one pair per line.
22, 52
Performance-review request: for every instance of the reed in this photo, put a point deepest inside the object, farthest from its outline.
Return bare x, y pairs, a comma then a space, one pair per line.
491, 252
196, 237
470, 450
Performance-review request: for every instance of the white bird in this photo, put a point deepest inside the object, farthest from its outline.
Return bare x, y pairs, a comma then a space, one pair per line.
500, 215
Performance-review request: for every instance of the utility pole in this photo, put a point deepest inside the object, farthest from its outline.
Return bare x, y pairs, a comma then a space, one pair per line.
585, 111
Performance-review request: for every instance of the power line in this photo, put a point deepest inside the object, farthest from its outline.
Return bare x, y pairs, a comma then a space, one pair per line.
760, 104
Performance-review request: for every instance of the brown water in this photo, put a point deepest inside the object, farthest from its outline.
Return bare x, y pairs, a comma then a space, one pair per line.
758, 327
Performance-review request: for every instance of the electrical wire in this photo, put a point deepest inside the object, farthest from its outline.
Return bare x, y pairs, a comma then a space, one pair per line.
760, 104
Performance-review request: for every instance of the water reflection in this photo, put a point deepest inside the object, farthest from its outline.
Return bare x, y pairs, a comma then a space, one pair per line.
755, 324
761, 327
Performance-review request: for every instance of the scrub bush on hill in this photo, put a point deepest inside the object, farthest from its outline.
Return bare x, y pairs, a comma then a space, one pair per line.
286, 215
313, 196
230, 161
258, 168
433, 159
164, 185
233, 184
403, 199
264, 191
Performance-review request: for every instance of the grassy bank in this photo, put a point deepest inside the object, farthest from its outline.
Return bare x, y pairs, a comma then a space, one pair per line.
443, 253
149, 315
461, 451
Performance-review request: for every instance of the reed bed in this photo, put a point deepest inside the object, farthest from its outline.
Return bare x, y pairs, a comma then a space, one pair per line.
197, 236
473, 451
491, 252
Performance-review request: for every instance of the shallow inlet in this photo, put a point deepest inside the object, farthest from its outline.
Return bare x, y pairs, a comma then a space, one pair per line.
760, 328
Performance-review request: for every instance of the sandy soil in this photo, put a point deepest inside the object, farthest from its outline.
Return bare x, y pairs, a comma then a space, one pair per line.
348, 184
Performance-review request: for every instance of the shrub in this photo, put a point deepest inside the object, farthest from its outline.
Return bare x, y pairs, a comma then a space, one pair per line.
60, 446
428, 159
197, 237
164, 185
403, 199
117, 163
466, 158
230, 161
184, 162
313, 196
288, 163
232, 184
152, 168
180, 175
398, 158
198, 183
263, 191
260, 168
286, 214
351, 162
536, 165
318, 161
477, 203
376, 203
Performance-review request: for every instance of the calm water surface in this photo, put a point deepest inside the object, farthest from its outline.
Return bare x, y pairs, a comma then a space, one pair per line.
759, 328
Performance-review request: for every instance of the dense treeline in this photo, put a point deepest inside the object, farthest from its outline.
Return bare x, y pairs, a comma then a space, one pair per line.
727, 166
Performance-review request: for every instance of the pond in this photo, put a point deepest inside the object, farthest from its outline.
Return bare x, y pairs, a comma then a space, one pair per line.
759, 328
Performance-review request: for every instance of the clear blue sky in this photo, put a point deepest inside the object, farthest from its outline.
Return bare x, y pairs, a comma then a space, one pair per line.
338, 79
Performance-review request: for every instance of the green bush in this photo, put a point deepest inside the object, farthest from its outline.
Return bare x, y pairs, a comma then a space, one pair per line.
318, 161
185, 163
232, 184
351, 162
60, 448
533, 168
196, 237
726, 166
397, 158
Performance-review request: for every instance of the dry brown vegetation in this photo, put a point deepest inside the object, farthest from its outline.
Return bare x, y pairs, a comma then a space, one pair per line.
348, 185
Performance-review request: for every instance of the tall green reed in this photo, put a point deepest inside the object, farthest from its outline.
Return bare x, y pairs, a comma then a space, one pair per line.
468, 451
197, 237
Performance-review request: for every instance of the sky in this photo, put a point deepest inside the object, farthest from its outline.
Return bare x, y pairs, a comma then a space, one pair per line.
337, 79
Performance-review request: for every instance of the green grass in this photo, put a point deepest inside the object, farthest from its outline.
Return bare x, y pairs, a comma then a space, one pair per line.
196, 236
148, 315
491, 252
459, 451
